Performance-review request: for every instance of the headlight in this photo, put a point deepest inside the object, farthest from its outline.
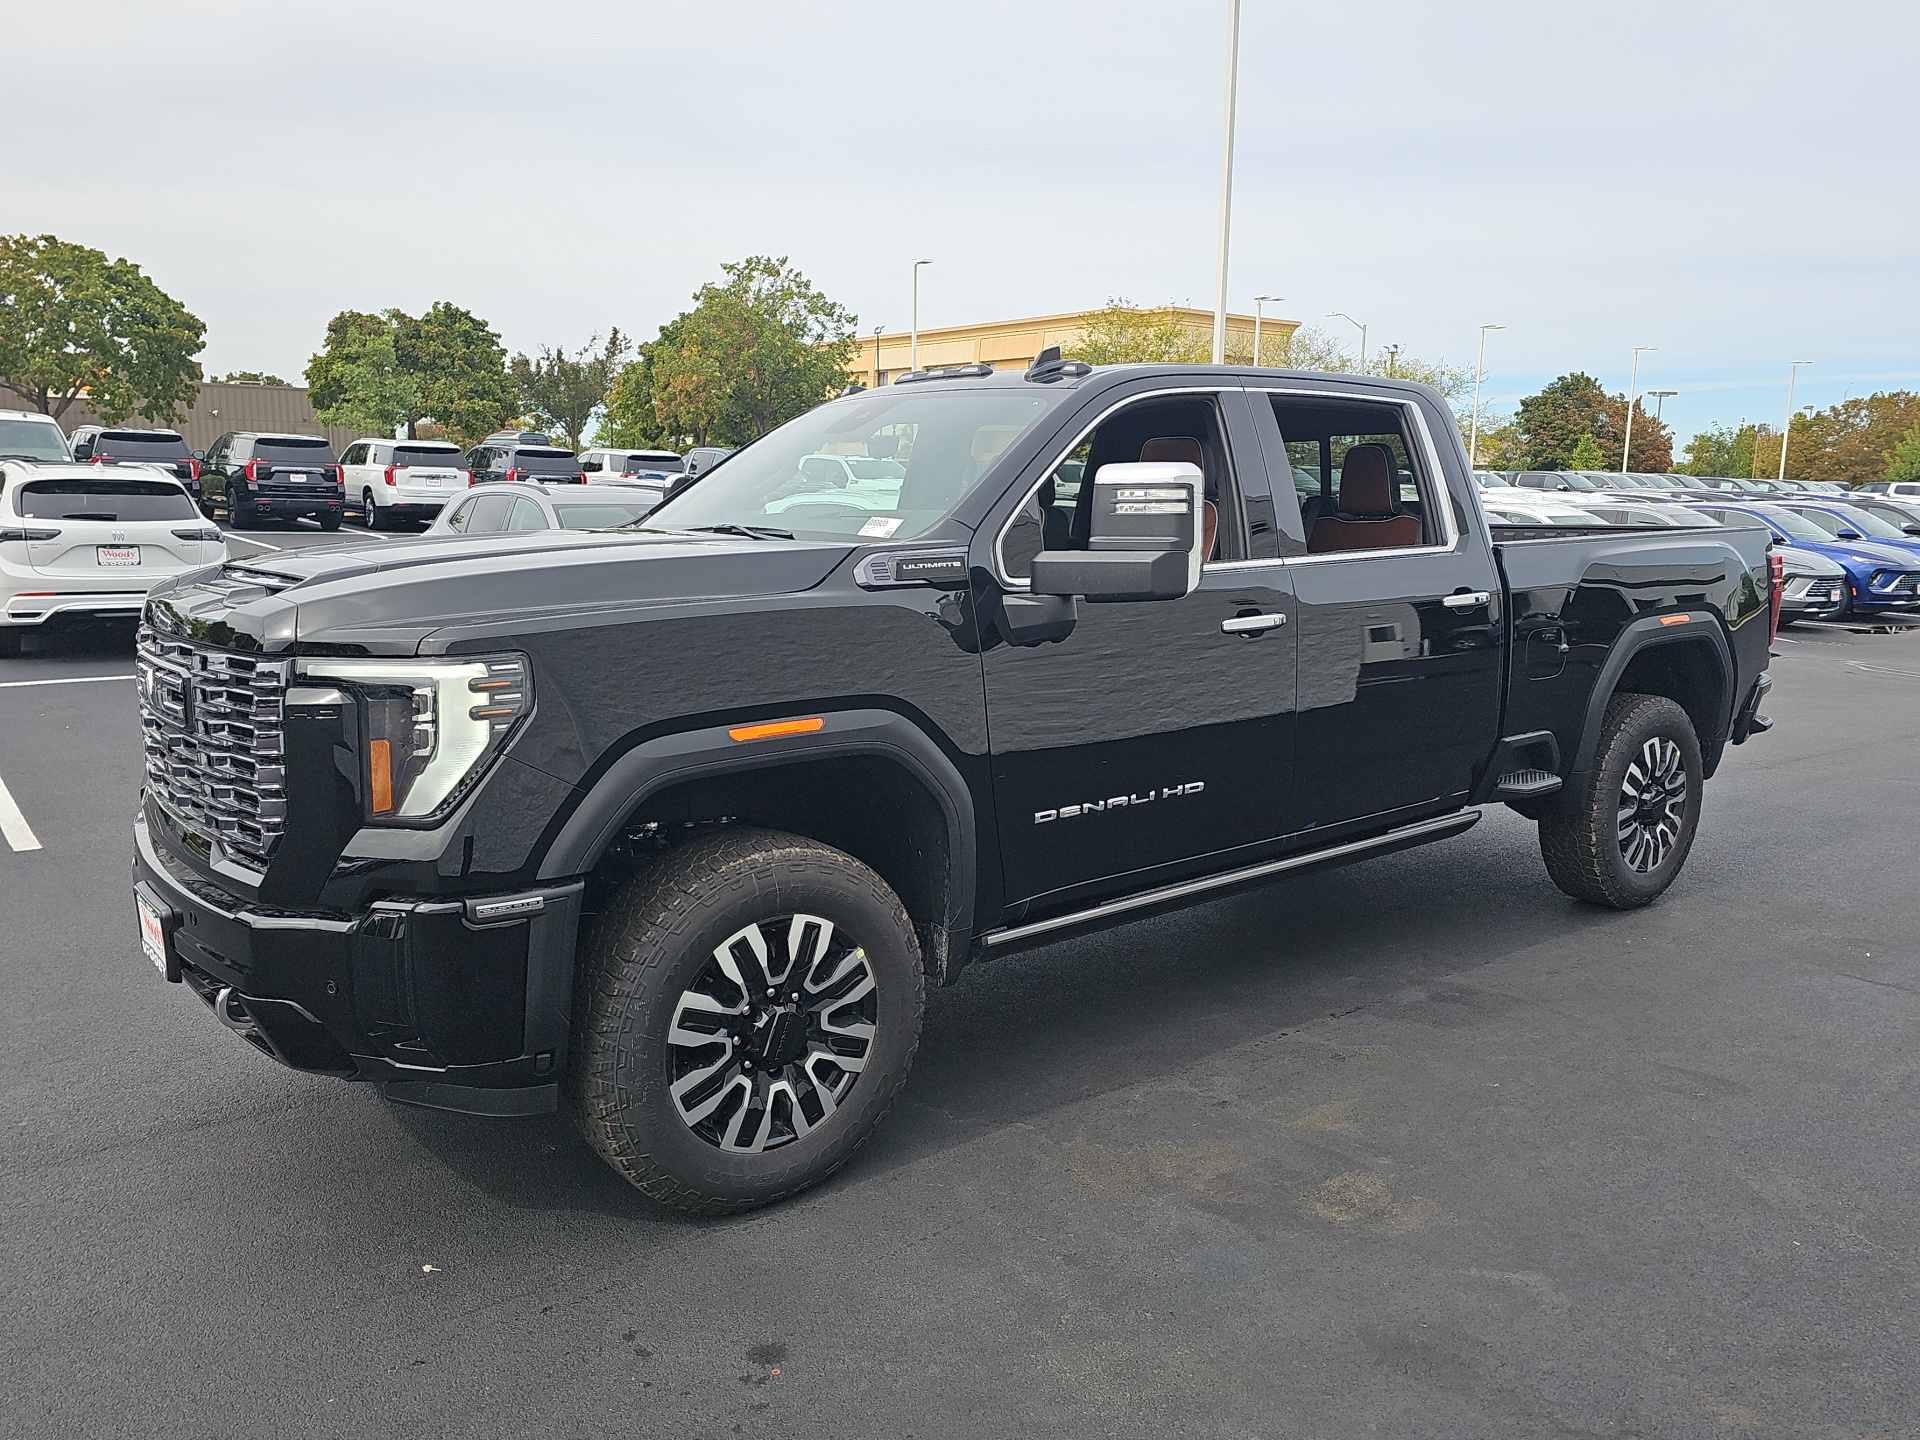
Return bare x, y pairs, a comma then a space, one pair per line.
430, 726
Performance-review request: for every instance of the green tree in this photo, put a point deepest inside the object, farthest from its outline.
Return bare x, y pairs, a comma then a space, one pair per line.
247, 377
631, 419
356, 381
73, 321
1124, 334
1586, 455
376, 372
1903, 461
756, 350
1552, 422
563, 391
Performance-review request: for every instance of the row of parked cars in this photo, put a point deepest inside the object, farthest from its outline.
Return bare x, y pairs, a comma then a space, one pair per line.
1846, 553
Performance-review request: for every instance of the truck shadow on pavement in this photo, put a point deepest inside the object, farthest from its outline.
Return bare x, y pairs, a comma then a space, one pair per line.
1020, 1037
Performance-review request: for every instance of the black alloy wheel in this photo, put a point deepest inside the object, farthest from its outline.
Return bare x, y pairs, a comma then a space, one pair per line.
1623, 836
747, 1009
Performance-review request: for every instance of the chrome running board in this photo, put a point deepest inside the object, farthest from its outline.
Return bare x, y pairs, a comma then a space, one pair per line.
1400, 838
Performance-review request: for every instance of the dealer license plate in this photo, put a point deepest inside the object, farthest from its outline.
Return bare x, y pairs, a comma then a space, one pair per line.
122, 556
153, 939
433, 480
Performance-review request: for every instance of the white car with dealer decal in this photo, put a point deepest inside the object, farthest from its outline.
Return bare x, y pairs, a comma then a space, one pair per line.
87, 541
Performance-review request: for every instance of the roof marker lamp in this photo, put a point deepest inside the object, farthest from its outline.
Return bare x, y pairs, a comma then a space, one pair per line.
430, 727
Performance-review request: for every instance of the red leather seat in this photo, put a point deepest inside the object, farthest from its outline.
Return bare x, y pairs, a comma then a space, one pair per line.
1367, 519
1185, 450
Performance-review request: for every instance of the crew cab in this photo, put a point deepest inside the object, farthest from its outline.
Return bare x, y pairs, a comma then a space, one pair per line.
674, 823
80, 542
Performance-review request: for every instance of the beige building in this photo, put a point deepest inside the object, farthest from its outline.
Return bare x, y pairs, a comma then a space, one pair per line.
1012, 344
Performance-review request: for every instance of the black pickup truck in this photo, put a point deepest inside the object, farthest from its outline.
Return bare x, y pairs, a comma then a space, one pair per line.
673, 824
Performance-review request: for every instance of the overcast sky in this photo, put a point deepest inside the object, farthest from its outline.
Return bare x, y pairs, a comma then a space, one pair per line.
1733, 183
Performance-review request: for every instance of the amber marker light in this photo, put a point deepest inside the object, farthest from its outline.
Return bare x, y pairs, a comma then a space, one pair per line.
1675, 619
380, 768
777, 727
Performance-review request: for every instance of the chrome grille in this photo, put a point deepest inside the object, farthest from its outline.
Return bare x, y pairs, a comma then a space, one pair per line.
213, 727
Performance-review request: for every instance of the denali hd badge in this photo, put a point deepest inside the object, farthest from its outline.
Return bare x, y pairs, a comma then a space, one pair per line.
1118, 802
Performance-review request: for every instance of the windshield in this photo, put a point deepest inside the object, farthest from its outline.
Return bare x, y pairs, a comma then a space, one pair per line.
1794, 527
1857, 520
33, 440
604, 515
139, 445
885, 465
87, 498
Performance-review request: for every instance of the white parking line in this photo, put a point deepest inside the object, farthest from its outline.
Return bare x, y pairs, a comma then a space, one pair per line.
70, 680
249, 540
13, 824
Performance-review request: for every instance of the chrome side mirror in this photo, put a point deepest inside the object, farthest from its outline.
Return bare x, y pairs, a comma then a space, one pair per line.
1143, 538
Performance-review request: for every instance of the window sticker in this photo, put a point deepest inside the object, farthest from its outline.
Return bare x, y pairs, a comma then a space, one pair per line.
880, 527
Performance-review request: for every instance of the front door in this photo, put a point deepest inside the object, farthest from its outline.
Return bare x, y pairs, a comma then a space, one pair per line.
1149, 736
1398, 615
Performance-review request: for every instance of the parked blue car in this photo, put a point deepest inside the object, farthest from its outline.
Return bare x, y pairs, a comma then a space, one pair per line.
1881, 577
1846, 522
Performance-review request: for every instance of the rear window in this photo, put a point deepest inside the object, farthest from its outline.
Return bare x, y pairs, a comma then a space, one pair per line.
546, 462
292, 450
425, 455
139, 445
602, 516
664, 464
88, 498
33, 440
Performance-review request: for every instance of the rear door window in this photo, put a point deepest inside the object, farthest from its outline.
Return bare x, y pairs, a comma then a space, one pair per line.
526, 516
103, 498
489, 515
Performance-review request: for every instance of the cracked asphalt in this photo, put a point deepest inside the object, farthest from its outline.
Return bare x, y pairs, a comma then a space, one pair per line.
1419, 1148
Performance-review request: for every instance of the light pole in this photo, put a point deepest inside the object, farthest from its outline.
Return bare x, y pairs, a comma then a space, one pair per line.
1226, 185
878, 330
1342, 315
1633, 394
1479, 374
1393, 354
1660, 398
913, 348
1793, 373
1258, 301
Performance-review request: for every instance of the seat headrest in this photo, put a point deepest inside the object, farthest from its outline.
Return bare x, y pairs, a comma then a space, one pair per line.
1172, 450
1366, 481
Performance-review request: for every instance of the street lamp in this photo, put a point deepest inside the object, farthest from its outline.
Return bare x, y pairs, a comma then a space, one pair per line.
1393, 354
1226, 185
878, 330
1633, 394
1660, 398
913, 349
1479, 374
1793, 373
1258, 301
1342, 315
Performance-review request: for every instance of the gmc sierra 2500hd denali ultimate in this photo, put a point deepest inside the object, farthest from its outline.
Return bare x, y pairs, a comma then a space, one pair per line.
672, 824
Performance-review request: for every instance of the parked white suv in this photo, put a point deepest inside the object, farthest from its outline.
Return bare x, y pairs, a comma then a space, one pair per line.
81, 541
390, 481
28, 435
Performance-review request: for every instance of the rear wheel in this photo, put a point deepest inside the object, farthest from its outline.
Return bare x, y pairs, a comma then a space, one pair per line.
375, 520
748, 1009
1622, 839
328, 522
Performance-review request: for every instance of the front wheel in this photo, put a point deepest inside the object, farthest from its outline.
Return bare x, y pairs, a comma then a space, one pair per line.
1621, 840
748, 1008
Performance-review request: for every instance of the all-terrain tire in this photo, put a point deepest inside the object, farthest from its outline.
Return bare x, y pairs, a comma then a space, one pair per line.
657, 941
1602, 847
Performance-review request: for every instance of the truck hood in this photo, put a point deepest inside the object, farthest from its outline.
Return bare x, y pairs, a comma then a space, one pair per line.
389, 598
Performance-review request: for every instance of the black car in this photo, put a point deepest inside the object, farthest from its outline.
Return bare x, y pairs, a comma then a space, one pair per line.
164, 449
524, 458
256, 477
674, 823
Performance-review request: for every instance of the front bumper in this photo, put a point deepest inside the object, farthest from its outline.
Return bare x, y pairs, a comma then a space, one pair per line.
458, 1004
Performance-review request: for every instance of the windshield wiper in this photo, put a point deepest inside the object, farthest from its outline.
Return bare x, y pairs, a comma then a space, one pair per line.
752, 532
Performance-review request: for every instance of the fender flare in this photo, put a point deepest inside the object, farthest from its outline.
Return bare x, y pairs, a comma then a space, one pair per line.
665, 760
1667, 628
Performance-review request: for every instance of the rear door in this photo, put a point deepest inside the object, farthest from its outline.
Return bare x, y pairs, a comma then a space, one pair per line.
112, 530
1399, 608
1150, 738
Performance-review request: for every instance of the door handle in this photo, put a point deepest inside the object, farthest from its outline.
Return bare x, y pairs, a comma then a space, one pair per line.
1465, 601
1251, 624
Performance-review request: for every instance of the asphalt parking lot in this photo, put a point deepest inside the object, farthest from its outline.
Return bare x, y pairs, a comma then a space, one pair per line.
1418, 1148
